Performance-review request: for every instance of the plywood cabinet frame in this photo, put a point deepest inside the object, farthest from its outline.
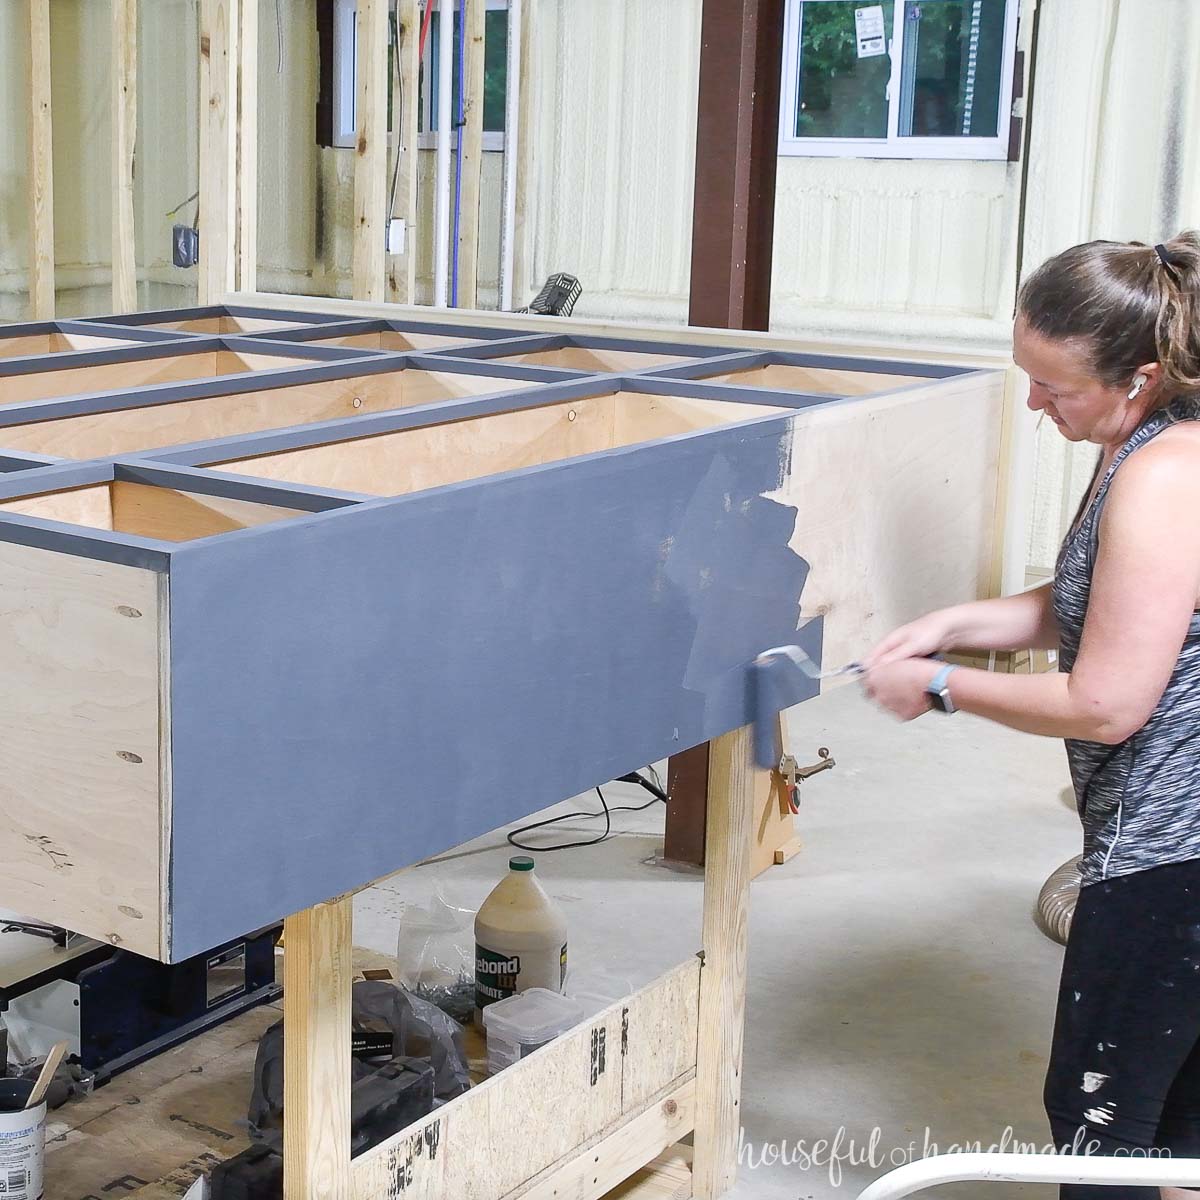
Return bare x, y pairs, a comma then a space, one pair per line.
244, 619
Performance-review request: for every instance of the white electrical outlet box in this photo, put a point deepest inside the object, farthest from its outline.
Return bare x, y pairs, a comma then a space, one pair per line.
395, 236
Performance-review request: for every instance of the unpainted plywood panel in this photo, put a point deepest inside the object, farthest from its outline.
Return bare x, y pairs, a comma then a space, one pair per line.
176, 516
80, 745
63, 342
26, 343
108, 376
414, 459
642, 418
90, 506
230, 362
786, 378
594, 359
896, 506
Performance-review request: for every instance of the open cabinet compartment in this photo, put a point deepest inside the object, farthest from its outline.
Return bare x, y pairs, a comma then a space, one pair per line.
149, 363
394, 336
36, 339
588, 354
156, 416
809, 374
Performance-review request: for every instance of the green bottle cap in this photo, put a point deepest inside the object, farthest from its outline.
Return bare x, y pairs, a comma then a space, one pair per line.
520, 864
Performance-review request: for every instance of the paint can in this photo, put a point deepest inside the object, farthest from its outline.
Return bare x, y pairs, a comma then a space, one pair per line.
22, 1141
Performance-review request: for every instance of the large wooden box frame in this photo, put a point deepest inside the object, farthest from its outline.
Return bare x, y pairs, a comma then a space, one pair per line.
276, 632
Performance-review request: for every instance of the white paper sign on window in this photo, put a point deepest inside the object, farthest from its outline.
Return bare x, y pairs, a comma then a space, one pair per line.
868, 30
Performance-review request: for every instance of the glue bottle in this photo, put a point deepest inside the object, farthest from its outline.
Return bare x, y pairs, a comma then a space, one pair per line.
520, 939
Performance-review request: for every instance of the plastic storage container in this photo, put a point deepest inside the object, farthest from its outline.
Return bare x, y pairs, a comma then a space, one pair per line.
521, 1024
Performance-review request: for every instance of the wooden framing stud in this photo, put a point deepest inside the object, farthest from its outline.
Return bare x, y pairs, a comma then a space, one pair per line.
219, 27
317, 973
402, 268
370, 150
472, 135
731, 786
124, 139
41, 165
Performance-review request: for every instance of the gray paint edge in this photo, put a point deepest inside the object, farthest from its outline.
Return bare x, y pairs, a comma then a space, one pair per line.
102, 545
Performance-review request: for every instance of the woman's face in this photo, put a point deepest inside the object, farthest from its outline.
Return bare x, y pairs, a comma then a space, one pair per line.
1061, 386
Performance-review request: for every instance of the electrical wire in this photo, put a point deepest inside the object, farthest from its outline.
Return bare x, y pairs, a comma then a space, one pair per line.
659, 797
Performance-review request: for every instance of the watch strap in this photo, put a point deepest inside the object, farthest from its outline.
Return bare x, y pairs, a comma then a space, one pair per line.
938, 689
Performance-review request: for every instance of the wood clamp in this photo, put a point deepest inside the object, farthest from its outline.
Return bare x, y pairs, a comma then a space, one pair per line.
794, 774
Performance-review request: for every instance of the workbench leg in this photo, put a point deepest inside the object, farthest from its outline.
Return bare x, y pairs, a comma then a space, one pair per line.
316, 1052
731, 785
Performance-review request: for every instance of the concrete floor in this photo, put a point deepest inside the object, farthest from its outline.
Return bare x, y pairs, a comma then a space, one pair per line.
897, 981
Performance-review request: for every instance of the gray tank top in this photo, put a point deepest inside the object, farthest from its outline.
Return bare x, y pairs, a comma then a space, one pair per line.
1139, 801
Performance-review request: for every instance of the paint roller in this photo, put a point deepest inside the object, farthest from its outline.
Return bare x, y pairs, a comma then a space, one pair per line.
773, 688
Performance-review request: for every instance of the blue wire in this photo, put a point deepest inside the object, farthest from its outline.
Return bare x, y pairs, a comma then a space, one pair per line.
459, 120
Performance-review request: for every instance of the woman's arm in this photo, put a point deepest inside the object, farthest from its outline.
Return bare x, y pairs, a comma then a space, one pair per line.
1144, 591
1020, 622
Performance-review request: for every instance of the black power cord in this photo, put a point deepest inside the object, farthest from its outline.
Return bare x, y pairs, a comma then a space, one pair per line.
659, 797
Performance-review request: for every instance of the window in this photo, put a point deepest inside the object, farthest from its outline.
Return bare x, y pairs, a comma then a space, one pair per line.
495, 77
338, 28
901, 79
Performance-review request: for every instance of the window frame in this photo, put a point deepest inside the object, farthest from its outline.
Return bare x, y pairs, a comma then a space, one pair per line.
344, 79
893, 145
427, 138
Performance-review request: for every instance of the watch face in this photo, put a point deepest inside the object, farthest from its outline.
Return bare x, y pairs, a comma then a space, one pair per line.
940, 700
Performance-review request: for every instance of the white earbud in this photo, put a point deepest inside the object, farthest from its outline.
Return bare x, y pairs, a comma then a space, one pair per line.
1139, 382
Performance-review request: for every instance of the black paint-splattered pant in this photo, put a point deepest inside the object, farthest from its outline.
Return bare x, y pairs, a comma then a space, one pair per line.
1124, 1071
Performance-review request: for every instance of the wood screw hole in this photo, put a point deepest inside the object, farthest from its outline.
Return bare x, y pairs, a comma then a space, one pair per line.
126, 611
670, 1108
129, 756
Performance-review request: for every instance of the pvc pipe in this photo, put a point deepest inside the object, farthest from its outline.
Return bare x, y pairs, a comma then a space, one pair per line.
1034, 1168
459, 124
511, 144
441, 224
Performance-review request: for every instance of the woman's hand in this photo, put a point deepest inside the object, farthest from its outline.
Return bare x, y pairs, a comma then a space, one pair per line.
922, 638
899, 686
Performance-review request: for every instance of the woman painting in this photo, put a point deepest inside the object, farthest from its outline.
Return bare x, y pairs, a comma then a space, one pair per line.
1109, 335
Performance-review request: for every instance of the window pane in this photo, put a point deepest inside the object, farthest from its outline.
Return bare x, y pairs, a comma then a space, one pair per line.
950, 74
495, 69
842, 89
433, 61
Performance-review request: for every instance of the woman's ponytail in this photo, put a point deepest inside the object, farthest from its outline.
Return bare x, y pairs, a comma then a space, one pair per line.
1177, 329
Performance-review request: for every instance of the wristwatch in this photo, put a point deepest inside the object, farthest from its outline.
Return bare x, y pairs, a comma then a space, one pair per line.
939, 690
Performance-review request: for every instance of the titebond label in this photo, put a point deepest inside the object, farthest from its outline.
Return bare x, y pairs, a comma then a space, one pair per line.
495, 975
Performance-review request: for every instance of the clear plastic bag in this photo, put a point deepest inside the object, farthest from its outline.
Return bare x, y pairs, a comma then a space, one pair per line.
435, 954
